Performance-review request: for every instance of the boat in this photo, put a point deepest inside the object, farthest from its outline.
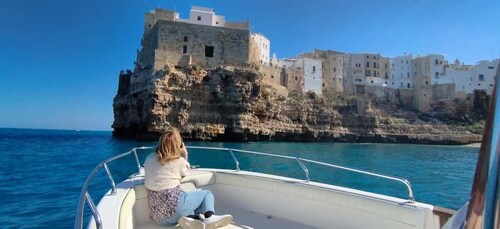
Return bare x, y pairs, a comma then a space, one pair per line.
260, 200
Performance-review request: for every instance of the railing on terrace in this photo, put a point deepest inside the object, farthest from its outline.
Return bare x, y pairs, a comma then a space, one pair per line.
85, 196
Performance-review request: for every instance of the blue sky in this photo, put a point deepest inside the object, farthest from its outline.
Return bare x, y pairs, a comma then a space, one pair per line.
59, 60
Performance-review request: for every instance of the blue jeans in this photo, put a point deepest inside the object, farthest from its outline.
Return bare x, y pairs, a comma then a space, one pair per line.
190, 203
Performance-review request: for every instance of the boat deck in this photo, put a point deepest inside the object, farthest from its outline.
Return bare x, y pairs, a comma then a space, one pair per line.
244, 220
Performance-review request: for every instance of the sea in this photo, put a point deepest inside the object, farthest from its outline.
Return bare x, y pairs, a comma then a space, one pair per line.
43, 171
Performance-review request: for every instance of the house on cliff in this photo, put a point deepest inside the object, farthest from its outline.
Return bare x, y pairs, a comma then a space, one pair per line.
205, 39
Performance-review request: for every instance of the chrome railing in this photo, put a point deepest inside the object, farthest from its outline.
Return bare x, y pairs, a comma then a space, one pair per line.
300, 161
85, 196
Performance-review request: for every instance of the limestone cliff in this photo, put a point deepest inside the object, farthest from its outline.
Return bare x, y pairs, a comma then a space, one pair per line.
233, 104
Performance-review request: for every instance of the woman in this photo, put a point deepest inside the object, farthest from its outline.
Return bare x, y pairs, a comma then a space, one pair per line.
168, 203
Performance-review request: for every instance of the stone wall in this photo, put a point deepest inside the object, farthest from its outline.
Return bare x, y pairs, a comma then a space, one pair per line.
271, 75
294, 79
205, 46
443, 91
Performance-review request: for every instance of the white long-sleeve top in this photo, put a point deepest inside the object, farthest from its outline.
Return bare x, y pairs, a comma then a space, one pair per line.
160, 177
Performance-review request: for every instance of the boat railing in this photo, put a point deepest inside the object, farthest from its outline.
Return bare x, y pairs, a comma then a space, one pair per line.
300, 161
86, 198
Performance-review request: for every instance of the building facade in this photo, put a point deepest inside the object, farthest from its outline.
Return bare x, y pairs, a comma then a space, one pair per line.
264, 48
208, 42
365, 69
401, 72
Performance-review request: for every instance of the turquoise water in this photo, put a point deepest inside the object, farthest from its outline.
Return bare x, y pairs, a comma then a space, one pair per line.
43, 170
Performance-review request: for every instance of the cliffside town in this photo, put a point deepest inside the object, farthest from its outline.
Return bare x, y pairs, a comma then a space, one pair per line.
215, 80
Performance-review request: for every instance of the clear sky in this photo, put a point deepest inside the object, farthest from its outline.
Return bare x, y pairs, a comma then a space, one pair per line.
59, 60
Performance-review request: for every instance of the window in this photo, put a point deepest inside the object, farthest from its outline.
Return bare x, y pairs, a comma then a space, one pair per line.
272, 77
367, 64
314, 68
426, 82
481, 77
199, 18
490, 67
295, 78
216, 22
334, 69
436, 61
372, 81
367, 73
184, 49
185, 38
209, 51
407, 75
323, 84
408, 85
437, 75
375, 64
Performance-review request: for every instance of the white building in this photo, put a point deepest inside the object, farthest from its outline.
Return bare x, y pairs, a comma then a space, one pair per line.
313, 75
264, 47
311, 70
484, 75
401, 72
205, 16
468, 78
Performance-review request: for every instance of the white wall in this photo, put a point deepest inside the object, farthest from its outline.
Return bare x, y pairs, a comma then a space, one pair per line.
401, 74
205, 16
437, 63
468, 79
488, 70
264, 46
313, 75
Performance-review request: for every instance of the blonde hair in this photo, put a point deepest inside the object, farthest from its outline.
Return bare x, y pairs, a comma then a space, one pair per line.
169, 146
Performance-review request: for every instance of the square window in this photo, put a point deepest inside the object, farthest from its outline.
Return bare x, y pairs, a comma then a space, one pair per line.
199, 18
209, 51
184, 49
185, 38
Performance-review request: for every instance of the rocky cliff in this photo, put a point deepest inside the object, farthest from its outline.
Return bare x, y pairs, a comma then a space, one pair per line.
233, 104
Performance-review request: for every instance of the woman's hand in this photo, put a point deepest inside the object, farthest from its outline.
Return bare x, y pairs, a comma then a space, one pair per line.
184, 152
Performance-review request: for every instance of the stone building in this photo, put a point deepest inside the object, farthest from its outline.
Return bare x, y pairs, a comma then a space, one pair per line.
293, 74
425, 69
205, 39
263, 48
333, 64
365, 69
